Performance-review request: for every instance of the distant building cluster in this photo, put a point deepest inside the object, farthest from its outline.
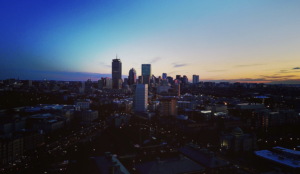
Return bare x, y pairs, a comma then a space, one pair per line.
156, 114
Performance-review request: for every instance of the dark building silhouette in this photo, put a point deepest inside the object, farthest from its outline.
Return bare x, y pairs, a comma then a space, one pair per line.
146, 73
116, 73
132, 76
178, 76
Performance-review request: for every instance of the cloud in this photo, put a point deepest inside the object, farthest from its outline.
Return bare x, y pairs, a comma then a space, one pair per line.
242, 80
248, 65
283, 71
54, 75
278, 77
154, 60
246, 79
105, 65
176, 65
172, 72
295, 81
296, 68
217, 70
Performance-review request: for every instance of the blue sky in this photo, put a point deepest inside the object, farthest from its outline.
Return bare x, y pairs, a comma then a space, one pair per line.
247, 41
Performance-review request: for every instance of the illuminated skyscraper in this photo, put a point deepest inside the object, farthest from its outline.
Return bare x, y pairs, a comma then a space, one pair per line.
116, 73
164, 76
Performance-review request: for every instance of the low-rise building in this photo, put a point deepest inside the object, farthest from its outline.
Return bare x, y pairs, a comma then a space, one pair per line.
237, 141
179, 164
84, 104
86, 115
168, 106
204, 157
11, 149
47, 126
32, 139
107, 164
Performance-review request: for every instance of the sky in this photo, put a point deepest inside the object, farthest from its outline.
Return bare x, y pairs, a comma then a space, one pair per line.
246, 41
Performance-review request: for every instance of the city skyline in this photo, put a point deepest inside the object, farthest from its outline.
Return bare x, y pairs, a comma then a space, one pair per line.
253, 41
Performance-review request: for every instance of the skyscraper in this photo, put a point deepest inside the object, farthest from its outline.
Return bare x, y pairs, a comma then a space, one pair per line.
132, 76
116, 73
146, 73
141, 98
164, 76
140, 80
195, 78
184, 79
170, 80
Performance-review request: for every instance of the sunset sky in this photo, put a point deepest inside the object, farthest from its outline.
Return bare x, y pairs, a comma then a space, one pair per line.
234, 40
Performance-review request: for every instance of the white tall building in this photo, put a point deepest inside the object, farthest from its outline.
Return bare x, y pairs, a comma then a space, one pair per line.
141, 97
195, 78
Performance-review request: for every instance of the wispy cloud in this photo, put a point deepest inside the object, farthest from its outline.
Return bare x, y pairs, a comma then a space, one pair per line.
56, 75
278, 77
154, 60
105, 65
283, 71
248, 65
294, 70
217, 70
172, 72
177, 65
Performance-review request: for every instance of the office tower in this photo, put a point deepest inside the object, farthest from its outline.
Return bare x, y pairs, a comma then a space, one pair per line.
163, 82
140, 80
164, 76
83, 84
28, 82
177, 88
170, 79
168, 107
184, 79
132, 76
116, 72
125, 80
146, 73
195, 78
141, 98
100, 84
109, 83
178, 76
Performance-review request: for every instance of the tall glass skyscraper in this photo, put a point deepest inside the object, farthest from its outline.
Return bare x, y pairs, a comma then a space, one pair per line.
146, 73
195, 78
141, 98
116, 73
164, 76
132, 76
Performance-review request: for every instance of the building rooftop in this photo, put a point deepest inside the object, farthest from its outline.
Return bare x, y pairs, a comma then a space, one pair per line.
290, 151
206, 111
103, 164
277, 158
169, 166
208, 160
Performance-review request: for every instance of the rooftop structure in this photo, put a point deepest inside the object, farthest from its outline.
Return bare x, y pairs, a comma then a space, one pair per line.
203, 157
169, 166
277, 158
108, 164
